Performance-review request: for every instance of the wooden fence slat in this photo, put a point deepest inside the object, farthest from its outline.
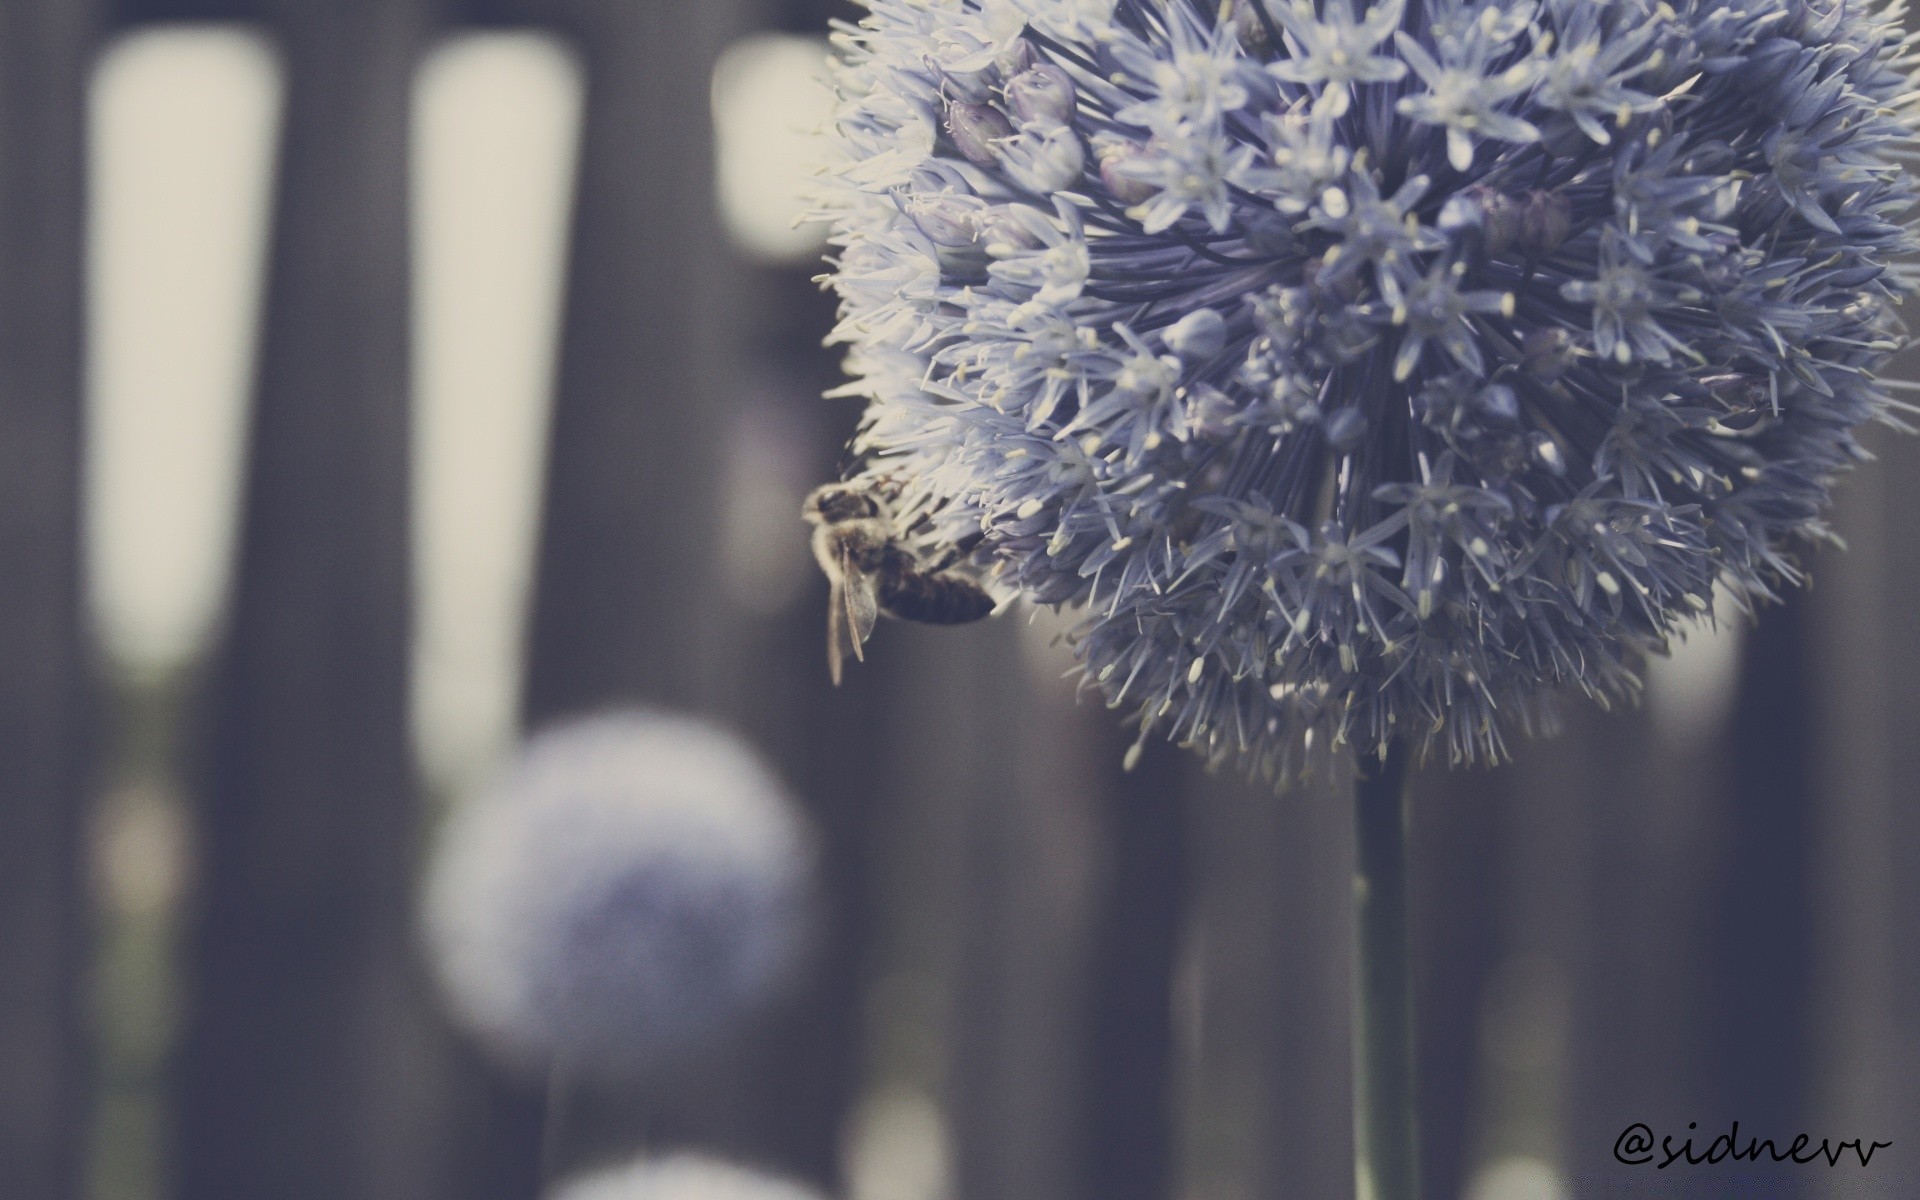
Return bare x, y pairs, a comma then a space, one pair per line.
44, 698
1266, 982
623, 604
1458, 817
1025, 758
829, 743
1865, 669
1756, 1011
300, 1054
1616, 870
1128, 1102
1529, 1064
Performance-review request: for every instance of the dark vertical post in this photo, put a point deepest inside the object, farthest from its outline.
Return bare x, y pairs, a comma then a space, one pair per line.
624, 605
1267, 1106
1864, 670
828, 742
297, 1055
1022, 766
1755, 1028
1308, 1063
1550, 1015
1458, 861
623, 595
1606, 903
1129, 1109
44, 48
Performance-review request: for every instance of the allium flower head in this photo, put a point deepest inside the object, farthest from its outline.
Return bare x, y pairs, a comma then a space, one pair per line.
1370, 370
681, 1177
634, 885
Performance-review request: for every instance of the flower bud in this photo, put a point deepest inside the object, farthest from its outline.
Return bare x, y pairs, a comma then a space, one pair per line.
1008, 229
1482, 210
1210, 413
1546, 353
1498, 403
1345, 429
1269, 232
1043, 94
1546, 218
975, 129
939, 175
947, 220
1198, 336
1119, 170
964, 65
1044, 160
1251, 29
1533, 226
1017, 57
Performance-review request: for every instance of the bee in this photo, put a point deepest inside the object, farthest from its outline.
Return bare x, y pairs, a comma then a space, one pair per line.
873, 570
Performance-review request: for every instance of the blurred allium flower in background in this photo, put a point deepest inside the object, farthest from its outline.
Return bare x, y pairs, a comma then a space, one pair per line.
1371, 370
681, 1177
636, 884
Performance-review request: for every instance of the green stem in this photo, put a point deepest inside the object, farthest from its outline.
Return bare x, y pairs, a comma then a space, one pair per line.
1384, 1135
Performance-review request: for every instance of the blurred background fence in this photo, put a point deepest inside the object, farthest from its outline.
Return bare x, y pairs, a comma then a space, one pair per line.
379, 378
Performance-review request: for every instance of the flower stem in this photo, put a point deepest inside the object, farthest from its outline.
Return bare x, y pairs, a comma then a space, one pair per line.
1384, 1135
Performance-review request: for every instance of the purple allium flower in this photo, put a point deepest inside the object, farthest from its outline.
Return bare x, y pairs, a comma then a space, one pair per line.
633, 886
1371, 370
681, 1177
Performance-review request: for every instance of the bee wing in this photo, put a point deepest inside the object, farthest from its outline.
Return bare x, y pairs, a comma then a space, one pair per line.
862, 604
852, 609
836, 623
